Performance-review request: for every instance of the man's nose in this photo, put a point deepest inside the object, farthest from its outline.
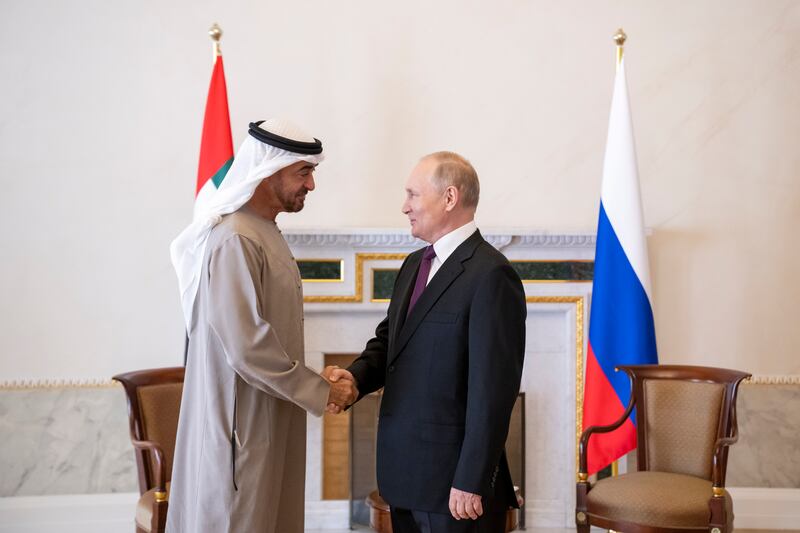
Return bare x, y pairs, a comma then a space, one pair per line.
310, 185
405, 208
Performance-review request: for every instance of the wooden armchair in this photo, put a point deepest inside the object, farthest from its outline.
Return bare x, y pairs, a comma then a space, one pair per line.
685, 421
154, 401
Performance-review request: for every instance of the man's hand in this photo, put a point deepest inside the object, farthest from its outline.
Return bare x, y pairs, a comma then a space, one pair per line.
465, 504
343, 388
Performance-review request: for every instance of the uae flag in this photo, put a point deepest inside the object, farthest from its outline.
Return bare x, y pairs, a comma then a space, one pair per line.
216, 146
621, 331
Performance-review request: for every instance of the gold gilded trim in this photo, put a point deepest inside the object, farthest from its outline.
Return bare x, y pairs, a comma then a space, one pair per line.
579, 302
58, 383
340, 279
773, 380
160, 496
358, 297
333, 299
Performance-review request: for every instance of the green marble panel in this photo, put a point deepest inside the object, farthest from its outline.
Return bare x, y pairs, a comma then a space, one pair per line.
320, 269
543, 271
383, 283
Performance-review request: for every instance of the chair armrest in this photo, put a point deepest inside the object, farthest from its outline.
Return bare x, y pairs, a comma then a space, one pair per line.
722, 443
584, 442
161, 465
717, 474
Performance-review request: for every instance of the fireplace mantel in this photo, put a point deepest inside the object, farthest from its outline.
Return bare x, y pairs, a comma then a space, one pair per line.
401, 238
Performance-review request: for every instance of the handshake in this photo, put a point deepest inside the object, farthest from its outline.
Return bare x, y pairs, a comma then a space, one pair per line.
343, 389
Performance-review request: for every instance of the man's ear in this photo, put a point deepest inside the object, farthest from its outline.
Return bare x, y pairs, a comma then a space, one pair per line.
450, 198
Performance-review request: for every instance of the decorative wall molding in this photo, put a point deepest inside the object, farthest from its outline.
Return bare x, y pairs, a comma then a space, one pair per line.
357, 239
789, 379
401, 238
570, 240
354, 247
98, 383
58, 383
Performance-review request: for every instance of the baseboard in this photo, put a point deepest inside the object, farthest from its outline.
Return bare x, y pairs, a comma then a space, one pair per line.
113, 513
766, 508
546, 514
328, 514
755, 508
78, 513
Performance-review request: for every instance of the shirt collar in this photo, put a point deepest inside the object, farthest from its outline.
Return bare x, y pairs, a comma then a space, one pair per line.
448, 243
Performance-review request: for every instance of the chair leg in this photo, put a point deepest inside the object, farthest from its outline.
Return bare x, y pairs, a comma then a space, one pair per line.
581, 516
721, 521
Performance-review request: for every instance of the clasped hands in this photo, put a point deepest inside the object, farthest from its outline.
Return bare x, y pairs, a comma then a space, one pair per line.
343, 391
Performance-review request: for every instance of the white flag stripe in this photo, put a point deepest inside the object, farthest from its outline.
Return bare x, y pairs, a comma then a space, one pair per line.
620, 192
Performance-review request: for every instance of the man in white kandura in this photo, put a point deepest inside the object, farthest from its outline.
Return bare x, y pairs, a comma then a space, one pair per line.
240, 453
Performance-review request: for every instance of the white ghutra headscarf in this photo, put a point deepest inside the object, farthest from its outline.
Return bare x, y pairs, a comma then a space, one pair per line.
259, 157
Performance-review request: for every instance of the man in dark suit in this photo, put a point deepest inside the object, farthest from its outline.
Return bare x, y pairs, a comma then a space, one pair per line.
449, 356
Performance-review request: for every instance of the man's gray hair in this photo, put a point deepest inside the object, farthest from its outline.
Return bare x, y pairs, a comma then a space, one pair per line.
457, 171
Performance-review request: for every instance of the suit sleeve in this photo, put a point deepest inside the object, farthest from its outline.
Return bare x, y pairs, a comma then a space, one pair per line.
252, 347
496, 353
369, 370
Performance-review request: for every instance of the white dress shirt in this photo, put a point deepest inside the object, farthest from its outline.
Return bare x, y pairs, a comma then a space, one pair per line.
448, 243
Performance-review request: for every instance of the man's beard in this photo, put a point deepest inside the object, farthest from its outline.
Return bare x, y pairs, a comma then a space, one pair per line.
293, 204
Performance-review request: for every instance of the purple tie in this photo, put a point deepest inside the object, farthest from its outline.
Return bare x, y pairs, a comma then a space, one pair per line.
422, 276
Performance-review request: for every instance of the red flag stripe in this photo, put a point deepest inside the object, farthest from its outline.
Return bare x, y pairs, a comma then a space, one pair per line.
602, 407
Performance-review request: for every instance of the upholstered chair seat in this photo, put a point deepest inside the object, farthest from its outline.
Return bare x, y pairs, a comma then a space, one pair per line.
656, 499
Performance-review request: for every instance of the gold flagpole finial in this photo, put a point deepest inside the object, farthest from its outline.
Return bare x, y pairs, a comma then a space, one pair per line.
620, 39
215, 32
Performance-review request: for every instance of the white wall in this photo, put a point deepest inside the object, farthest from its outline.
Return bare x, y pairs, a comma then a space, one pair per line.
100, 120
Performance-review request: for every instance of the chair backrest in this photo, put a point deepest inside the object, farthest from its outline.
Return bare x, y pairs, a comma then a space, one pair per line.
154, 402
681, 411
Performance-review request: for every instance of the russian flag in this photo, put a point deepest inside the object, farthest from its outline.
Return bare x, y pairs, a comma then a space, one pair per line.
216, 146
621, 330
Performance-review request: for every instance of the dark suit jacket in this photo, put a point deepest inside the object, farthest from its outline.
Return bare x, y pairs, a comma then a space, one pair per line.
451, 373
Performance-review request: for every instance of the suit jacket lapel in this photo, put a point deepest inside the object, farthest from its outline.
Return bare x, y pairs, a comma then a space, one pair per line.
404, 289
444, 277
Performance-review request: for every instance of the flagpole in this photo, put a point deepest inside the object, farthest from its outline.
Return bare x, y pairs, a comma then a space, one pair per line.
215, 32
620, 39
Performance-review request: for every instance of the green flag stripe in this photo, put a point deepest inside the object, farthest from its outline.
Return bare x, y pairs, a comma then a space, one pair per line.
220, 174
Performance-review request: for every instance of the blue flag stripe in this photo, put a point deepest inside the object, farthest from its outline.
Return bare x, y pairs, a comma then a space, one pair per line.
621, 330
